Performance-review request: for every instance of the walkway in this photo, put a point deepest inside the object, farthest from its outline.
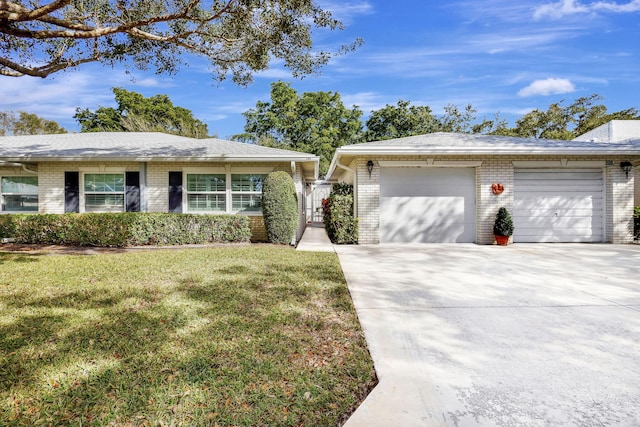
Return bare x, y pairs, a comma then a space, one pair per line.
315, 239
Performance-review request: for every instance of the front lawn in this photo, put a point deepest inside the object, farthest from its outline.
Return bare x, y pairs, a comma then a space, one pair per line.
242, 336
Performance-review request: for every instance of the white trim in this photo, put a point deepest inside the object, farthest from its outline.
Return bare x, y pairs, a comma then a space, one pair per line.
430, 163
555, 164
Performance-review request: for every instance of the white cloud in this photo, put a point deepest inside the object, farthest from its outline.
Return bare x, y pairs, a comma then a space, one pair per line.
346, 11
564, 8
548, 86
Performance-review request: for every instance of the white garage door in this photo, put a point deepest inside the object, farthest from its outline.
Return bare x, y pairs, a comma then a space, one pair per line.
427, 205
558, 205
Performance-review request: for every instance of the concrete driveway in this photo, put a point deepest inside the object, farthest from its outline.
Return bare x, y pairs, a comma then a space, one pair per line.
527, 334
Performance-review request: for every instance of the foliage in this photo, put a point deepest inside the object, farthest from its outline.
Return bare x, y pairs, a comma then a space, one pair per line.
27, 124
314, 122
560, 122
135, 113
503, 226
341, 226
243, 336
237, 37
404, 119
124, 229
636, 222
279, 207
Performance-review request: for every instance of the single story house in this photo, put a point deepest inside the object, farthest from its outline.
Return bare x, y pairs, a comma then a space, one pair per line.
447, 187
148, 172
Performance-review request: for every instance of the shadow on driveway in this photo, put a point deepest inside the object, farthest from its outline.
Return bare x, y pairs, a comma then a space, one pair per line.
525, 335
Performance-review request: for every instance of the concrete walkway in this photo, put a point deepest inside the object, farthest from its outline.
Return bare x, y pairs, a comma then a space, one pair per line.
315, 239
523, 335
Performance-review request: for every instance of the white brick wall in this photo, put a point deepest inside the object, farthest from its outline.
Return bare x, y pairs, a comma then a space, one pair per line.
495, 169
620, 198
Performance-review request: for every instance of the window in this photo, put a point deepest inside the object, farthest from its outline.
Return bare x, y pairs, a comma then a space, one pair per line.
246, 192
104, 192
206, 192
19, 193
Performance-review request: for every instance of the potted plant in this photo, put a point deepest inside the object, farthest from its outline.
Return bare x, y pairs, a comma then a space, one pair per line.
503, 227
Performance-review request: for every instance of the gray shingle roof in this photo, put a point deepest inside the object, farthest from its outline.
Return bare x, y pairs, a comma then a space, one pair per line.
445, 143
140, 146
470, 144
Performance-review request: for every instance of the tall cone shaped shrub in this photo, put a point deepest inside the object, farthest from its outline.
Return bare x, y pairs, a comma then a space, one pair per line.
279, 207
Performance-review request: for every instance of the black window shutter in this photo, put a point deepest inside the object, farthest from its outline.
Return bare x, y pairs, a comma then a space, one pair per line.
175, 191
71, 192
132, 180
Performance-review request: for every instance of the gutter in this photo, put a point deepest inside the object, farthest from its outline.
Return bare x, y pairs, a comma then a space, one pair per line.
22, 165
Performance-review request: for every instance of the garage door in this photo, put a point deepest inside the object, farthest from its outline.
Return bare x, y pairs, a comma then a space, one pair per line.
558, 205
427, 205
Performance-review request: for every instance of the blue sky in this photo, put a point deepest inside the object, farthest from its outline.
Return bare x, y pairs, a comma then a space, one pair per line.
501, 56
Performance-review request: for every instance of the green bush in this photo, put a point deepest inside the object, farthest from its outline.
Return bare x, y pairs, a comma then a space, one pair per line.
341, 226
279, 207
636, 222
124, 229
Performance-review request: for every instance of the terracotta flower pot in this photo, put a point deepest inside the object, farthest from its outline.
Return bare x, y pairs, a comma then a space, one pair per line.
502, 240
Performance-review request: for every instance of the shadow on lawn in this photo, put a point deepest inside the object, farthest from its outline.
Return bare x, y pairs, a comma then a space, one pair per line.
235, 345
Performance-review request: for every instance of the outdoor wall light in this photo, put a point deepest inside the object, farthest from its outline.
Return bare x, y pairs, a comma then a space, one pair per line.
370, 167
625, 166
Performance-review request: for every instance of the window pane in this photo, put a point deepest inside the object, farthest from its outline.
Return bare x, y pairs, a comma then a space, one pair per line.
247, 182
20, 184
206, 202
206, 182
18, 203
104, 182
104, 202
247, 202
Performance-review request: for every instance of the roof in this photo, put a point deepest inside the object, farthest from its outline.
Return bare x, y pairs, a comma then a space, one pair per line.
143, 147
441, 143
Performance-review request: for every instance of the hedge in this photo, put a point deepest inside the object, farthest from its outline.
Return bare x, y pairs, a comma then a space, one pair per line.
124, 229
279, 207
341, 226
636, 222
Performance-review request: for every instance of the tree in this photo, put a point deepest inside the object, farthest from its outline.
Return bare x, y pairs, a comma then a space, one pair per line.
238, 37
560, 122
135, 113
400, 120
404, 119
27, 124
314, 122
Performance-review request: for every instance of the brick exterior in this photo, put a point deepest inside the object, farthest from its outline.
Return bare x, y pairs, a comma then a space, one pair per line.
494, 169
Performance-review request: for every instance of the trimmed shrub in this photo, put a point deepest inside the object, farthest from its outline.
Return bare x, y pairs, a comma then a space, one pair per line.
124, 229
341, 226
279, 207
636, 222
503, 226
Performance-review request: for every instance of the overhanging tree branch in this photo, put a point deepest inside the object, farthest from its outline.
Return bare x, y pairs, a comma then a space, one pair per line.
39, 40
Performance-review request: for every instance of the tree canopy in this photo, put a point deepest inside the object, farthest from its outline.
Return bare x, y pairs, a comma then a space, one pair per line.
314, 122
24, 123
403, 119
135, 113
566, 122
238, 37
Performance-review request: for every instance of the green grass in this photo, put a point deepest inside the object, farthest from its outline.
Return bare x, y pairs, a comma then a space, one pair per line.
242, 336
